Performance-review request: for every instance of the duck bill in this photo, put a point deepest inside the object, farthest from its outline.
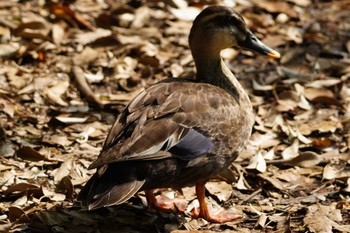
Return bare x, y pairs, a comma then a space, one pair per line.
253, 43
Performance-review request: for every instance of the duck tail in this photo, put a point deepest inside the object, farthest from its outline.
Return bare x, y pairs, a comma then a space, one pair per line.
107, 190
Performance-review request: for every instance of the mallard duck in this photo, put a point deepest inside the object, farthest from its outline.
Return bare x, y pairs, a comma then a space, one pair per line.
181, 132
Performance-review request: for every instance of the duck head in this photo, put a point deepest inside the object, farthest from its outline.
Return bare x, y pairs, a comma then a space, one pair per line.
219, 27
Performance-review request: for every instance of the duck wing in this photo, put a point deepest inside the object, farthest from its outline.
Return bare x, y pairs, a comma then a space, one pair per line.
169, 119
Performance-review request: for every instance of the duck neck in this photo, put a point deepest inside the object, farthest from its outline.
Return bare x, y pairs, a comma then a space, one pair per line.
213, 70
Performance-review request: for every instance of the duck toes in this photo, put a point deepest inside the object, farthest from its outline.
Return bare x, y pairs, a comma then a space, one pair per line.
181, 132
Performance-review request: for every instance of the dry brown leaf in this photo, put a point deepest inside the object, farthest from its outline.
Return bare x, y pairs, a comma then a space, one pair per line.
288, 100
323, 83
305, 159
240, 184
220, 189
24, 188
185, 14
57, 140
320, 126
294, 34
7, 50
312, 93
332, 172
125, 67
83, 137
295, 178
33, 30
65, 185
270, 155
94, 78
302, 3
6, 149
64, 170
7, 107
71, 120
65, 12
30, 154
276, 7
55, 92
276, 183
266, 140
58, 33
142, 15
291, 151
139, 43
259, 87
347, 188
20, 201
7, 177
323, 219
87, 56
257, 162
89, 37
18, 215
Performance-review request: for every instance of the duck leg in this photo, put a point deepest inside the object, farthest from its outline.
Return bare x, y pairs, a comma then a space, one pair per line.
165, 204
217, 216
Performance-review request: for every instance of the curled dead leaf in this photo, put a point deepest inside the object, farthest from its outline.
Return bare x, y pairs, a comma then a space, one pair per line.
71, 120
89, 37
292, 151
334, 172
66, 186
305, 159
257, 162
55, 92
24, 188
16, 214
64, 170
240, 184
29, 153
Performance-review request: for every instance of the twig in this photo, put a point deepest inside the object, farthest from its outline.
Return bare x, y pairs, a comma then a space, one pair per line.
250, 196
84, 87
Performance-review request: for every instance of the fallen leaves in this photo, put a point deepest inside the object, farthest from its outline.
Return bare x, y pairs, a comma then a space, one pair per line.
68, 69
324, 219
55, 92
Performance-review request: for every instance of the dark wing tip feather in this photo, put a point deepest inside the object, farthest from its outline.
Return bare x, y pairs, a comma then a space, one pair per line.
116, 185
116, 195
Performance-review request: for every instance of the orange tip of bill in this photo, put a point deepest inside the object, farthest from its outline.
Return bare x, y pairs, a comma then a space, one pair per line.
274, 54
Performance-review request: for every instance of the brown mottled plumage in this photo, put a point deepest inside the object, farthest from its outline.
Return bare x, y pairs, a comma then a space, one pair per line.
180, 132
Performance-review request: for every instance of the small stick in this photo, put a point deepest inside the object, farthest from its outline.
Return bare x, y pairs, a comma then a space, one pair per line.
250, 196
84, 87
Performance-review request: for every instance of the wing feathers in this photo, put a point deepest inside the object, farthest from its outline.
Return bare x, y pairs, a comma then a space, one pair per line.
118, 194
192, 145
160, 122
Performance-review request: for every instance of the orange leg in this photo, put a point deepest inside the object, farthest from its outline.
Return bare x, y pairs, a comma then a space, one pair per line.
165, 204
218, 216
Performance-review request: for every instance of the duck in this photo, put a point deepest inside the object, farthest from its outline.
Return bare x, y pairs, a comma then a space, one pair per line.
181, 132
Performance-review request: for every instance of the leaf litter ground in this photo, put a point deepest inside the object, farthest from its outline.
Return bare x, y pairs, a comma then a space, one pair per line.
68, 68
